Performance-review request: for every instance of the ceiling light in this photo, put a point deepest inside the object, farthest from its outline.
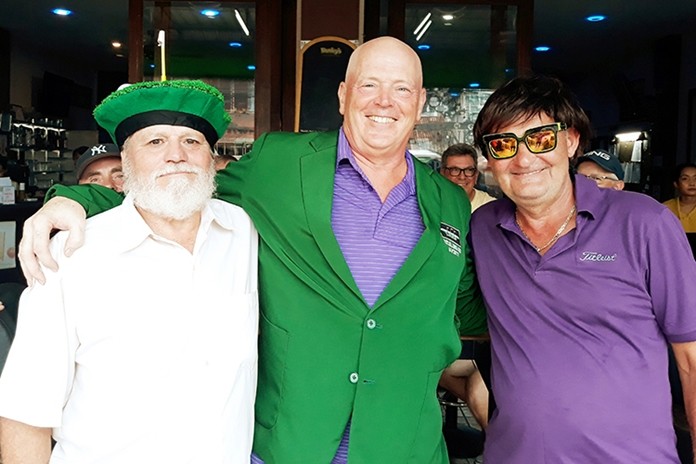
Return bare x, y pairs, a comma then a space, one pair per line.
424, 47
210, 13
422, 23
420, 34
235, 44
446, 24
448, 17
595, 18
61, 12
116, 44
542, 48
251, 67
474, 85
152, 65
241, 22
454, 94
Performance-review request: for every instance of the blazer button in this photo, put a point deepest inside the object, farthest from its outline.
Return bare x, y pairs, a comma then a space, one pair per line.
371, 324
353, 377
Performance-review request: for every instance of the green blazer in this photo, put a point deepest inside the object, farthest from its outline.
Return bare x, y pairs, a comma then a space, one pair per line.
316, 331
325, 357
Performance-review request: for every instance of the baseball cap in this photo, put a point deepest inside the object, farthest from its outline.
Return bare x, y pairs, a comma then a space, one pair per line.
605, 160
193, 104
94, 153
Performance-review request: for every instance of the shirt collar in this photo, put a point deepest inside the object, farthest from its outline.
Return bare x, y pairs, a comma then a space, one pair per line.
344, 155
136, 230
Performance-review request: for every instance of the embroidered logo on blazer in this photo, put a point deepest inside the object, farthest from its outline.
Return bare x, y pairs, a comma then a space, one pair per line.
452, 238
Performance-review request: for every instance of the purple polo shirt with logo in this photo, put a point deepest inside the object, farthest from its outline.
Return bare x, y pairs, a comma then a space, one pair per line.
375, 237
579, 335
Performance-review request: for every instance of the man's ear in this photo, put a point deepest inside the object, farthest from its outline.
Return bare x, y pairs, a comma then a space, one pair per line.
341, 97
573, 142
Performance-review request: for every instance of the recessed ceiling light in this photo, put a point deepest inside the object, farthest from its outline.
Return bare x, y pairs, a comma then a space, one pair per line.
423, 47
251, 67
61, 12
446, 24
116, 44
210, 13
595, 18
448, 17
474, 85
235, 44
542, 48
152, 65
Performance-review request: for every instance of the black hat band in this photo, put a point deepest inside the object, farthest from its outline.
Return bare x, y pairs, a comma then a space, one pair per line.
131, 125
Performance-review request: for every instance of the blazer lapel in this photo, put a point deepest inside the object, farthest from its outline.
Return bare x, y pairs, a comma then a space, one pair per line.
317, 170
429, 201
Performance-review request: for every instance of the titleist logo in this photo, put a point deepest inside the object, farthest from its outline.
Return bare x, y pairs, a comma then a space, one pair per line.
594, 256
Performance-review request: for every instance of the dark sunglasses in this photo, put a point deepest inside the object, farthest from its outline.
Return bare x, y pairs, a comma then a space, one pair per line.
540, 139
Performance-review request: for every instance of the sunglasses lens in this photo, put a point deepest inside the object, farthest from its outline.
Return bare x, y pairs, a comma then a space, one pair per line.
504, 147
541, 141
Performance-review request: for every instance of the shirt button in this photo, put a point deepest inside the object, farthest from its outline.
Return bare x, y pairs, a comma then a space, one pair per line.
353, 377
371, 324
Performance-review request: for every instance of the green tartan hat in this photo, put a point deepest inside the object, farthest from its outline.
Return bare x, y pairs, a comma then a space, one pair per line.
193, 104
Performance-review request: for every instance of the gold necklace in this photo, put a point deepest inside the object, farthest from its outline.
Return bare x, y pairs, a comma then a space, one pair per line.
555, 237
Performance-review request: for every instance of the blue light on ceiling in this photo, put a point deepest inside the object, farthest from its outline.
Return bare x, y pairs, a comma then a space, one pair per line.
454, 94
210, 13
474, 85
235, 44
61, 12
423, 47
542, 48
251, 67
152, 66
595, 18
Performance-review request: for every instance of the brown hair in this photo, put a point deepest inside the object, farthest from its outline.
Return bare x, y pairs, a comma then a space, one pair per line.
525, 97
459, 149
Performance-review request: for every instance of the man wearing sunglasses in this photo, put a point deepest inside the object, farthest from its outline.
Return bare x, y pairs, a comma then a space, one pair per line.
585, 287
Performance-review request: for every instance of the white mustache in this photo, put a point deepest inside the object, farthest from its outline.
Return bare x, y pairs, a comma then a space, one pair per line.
178, 168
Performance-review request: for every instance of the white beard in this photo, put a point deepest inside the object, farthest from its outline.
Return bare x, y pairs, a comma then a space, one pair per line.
179, 199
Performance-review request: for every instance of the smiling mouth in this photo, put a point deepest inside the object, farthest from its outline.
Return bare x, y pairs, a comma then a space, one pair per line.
381, 119
529, 173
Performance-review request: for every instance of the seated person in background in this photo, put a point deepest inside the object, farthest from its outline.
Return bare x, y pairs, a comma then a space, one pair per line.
166, 371
602, 167
222, 160
101, 164
684, 205
458, 164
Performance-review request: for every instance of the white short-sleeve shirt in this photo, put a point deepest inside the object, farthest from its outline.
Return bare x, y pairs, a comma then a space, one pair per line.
138, 351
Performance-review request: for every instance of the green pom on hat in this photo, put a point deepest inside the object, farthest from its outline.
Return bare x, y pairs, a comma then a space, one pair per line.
192, 104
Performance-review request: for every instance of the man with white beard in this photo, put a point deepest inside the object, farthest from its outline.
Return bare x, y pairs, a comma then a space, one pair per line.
142, 347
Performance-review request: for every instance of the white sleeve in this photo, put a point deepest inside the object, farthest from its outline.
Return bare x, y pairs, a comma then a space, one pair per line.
39, 370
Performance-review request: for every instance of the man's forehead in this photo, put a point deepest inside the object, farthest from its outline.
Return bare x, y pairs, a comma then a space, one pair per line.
168, 129
460, 159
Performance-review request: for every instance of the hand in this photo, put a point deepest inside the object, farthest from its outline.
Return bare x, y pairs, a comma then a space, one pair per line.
59, 213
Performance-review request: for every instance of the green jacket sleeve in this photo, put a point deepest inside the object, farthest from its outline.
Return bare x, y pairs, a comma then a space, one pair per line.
94, 198
470, 311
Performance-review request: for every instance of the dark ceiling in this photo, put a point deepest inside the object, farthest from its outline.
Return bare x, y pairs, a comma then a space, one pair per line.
577, 45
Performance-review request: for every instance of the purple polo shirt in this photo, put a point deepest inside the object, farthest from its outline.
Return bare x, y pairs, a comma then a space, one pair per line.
579, 336
375, 237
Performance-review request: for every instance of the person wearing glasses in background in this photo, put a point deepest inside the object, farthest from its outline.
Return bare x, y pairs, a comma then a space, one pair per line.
602, 167
458, 164
585, 288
